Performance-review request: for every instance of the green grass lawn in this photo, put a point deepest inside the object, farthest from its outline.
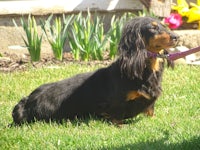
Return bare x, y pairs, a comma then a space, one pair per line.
175, 126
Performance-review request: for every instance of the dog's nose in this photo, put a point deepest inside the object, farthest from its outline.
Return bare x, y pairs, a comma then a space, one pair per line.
174, 37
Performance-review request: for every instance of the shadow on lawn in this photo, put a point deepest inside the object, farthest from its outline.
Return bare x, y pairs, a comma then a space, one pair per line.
78, 121
87, 120
162, 144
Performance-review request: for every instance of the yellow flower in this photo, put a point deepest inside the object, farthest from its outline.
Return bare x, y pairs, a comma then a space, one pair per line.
194, 12
193, 15
182, 7
198, 2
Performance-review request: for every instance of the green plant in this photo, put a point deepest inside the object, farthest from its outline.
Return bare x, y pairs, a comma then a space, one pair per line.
114, 33
33, 40
57, 33
100, 39
87, 39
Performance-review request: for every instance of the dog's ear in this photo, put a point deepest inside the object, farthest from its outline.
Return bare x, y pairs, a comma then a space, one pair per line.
132, 52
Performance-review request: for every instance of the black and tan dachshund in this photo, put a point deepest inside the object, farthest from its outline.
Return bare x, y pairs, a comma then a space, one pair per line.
127, 87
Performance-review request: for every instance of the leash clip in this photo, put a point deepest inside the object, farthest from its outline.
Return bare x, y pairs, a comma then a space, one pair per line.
165, 56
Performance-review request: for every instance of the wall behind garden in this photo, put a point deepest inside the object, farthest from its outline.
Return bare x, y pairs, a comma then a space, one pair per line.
10, 36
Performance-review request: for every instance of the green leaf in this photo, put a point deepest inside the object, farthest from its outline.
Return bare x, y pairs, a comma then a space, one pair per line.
32, 39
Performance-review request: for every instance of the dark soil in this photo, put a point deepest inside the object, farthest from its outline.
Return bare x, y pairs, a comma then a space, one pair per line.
10, 62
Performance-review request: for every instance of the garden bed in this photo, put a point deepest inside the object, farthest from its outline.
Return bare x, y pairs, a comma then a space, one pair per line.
20, 61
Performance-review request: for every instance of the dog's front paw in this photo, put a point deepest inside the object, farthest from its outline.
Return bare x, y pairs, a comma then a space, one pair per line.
149, 112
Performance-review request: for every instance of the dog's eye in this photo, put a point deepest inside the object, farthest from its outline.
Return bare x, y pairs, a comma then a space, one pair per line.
155, 27
166, 27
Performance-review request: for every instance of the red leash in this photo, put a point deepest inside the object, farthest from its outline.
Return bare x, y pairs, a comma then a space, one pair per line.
175, 56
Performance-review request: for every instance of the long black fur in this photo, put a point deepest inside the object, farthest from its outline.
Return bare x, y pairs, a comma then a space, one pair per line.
103, 93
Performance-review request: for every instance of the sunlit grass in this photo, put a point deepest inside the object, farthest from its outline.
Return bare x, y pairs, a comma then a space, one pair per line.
175, 126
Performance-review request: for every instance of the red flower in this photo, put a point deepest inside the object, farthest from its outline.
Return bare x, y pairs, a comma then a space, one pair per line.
174, 21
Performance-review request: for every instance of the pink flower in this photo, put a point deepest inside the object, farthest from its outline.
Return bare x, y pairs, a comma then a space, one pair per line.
174, 21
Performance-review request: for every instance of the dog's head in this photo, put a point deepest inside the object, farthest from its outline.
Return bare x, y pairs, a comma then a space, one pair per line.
140, 35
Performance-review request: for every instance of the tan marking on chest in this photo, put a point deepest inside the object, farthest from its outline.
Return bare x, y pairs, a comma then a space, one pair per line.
133, 95
155, 64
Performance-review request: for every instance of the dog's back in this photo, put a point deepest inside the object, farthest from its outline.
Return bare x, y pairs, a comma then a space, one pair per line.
45, 102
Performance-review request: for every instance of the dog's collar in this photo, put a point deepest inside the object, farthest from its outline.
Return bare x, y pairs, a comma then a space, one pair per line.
157, 55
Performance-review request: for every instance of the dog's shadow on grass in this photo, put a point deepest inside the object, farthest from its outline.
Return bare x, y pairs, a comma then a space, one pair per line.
80, 121
87, 121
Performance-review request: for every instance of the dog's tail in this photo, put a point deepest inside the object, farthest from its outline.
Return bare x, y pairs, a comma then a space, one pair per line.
19, 113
